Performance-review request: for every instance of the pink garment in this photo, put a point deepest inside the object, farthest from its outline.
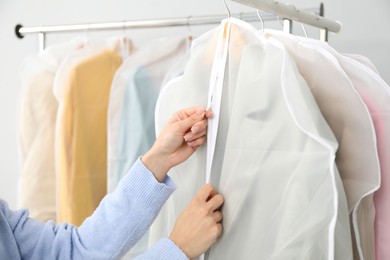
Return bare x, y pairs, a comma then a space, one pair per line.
376, 95
381, 197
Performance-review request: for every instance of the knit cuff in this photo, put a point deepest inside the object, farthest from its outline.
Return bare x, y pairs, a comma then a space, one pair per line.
140, 181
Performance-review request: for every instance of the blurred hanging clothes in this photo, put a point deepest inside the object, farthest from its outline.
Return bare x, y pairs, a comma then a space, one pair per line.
82, 88
274, 157
133, 96
346, 113
38, 111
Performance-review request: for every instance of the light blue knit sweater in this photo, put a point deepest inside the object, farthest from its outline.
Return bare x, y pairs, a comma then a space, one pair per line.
116, 225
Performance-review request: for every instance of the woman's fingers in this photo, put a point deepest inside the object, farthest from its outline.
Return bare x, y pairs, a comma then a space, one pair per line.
217, 216
198, 130
206, 192
215, 202
198, 141
199, 127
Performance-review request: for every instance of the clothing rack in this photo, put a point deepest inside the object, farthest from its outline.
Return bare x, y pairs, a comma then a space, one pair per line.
315, 13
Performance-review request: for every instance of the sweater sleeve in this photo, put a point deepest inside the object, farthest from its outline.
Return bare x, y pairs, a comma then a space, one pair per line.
116, 225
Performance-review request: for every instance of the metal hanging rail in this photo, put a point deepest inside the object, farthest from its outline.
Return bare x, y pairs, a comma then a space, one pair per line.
143, 24
20, 30
42, 31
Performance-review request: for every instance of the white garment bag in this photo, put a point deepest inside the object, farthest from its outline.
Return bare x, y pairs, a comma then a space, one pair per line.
356, 57
274, 158
376, 95
344, 110
38, 110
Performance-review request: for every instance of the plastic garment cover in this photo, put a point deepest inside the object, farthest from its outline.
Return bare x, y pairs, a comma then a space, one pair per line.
82, 87
177, 69
344, 110
38, 110
377, 99
376, 94
361, 59
133, 96
274, 155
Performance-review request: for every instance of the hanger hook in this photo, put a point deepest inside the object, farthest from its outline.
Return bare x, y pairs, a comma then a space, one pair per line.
87, 33
189, 27
304, 29
227, 8
280, 22
188, 24
124, 28
261, 20
124, 43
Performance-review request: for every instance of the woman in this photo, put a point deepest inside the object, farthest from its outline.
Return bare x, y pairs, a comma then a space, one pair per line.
124, 215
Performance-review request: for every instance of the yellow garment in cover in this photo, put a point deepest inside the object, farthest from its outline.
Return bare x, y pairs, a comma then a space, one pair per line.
81, 149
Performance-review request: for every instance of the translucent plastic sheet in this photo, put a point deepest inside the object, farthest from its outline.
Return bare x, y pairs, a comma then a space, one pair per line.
38, 110
133, 96
376, 95
274, 155
343, 108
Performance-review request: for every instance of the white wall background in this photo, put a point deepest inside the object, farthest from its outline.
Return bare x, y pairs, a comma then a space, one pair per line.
365, 31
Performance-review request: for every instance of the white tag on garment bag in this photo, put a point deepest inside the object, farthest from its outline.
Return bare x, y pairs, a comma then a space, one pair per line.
215, 95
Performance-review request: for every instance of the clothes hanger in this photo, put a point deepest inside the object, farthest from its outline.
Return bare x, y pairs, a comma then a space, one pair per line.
261, 20
125, 43
189, 30
304, 30
227, 9
86, 36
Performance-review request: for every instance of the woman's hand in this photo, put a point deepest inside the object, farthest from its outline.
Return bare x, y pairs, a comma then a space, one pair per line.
184, 133
198, 226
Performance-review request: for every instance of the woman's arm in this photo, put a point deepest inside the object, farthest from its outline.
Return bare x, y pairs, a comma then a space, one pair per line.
124, 215
117, 224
